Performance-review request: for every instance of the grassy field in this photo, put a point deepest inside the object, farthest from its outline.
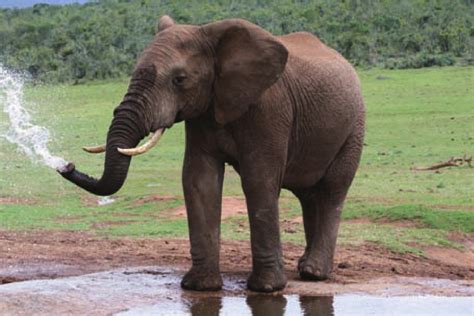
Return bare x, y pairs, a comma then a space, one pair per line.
414, 118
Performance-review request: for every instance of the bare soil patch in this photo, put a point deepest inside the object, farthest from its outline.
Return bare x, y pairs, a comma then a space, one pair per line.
52, 254
454, 207
102, 225
153, 199
399, 223
231, 206
452, 256
10, 200
360, 220
455, 257
89, 200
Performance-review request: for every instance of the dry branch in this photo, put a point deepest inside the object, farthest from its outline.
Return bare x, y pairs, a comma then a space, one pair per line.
452, 162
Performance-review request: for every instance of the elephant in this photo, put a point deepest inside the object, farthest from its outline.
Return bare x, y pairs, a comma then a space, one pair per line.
286, 112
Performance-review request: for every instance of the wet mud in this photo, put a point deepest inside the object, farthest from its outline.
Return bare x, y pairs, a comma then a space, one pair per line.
156, 291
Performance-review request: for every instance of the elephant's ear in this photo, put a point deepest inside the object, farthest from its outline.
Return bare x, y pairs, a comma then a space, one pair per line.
248, 61
163, 23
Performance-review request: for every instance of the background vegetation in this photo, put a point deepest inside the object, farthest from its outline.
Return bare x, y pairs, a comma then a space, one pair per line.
103, 38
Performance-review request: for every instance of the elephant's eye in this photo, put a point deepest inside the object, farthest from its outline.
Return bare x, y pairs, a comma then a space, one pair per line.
179, 80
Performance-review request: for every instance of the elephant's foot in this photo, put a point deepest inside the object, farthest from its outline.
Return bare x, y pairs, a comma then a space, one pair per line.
267, 280
311, 269
202, 279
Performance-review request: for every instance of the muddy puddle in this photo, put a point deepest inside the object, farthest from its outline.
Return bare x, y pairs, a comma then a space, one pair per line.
156, 291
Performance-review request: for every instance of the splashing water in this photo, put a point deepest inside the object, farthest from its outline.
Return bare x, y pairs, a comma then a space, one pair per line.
31, 139
105, 200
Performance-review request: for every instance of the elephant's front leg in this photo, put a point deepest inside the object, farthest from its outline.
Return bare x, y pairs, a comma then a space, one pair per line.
261, 190
202, 184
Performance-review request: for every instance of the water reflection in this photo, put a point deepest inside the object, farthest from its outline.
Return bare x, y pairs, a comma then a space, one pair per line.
317, 305
265, 305
209, 306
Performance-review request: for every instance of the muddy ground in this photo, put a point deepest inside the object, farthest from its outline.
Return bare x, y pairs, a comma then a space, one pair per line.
49, 255
79, 273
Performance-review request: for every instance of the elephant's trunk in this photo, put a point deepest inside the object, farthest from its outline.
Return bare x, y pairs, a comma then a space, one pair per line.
128, 127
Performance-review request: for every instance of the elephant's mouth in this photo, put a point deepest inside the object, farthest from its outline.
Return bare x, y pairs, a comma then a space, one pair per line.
179, 117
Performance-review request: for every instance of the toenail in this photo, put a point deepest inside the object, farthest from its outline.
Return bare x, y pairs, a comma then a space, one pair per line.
308, 269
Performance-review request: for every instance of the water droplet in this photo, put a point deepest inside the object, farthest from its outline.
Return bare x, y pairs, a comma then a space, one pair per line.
105, 200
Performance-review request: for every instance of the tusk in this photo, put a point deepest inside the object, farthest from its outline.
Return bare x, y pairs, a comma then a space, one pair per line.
145, 147
94, 149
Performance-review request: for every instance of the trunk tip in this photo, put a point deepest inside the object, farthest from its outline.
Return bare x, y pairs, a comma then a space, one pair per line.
66, 169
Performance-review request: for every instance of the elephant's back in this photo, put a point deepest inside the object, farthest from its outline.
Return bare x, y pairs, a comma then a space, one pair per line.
306, 46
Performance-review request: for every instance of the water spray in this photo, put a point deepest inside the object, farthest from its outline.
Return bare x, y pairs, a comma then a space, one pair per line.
30, 139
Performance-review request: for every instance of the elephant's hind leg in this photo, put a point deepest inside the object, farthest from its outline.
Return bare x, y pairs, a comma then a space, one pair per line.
321, 216
322, 206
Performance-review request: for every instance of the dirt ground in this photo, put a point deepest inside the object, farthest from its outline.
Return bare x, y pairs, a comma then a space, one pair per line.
41, 255
53, 254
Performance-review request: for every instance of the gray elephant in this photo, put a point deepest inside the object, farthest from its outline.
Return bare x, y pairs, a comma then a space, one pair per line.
285, 112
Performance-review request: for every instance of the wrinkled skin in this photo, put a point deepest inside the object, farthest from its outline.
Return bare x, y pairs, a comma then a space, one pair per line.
285, 112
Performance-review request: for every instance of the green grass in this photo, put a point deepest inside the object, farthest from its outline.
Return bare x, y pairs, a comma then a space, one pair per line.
414, 118
417, 117
423, 216
398, 239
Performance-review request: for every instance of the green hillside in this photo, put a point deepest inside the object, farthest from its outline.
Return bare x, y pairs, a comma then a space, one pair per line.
102, 39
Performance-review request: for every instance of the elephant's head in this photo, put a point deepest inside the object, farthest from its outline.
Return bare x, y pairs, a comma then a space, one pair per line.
185, 71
